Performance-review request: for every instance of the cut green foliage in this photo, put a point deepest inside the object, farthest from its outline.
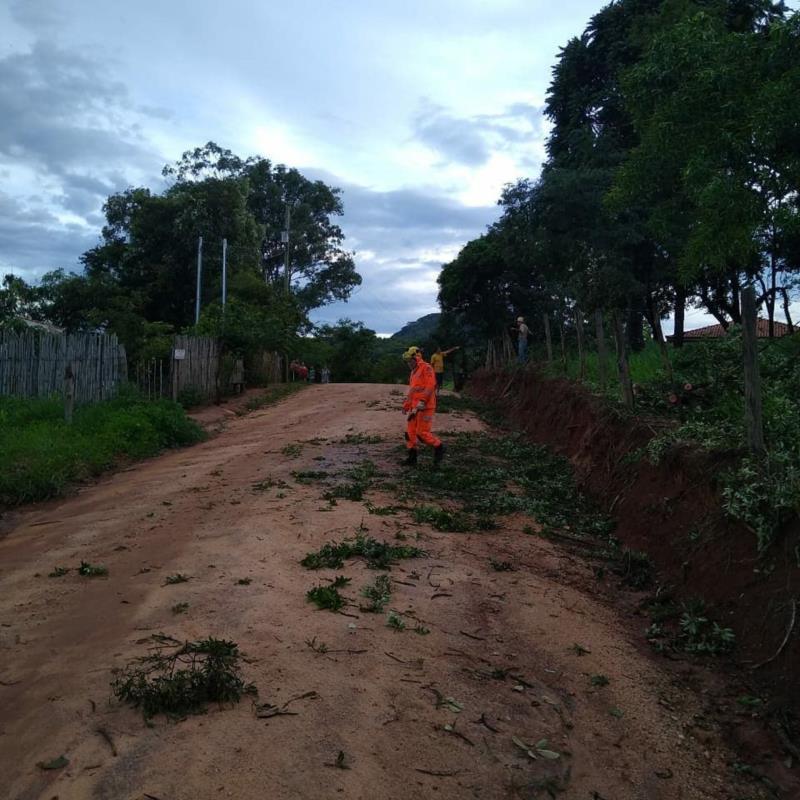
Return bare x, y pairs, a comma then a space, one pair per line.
700, 635
487, 476
58, 572
383, 511
580, 650
501, 566
293, 450
309, 475
269, 483
444, 519
378, 555
748, 701
180, 608
91, 570
317, 647
341, 761
377, 594
54, 763
41, 456
695, 633
340, 581
183, 680
361, 438
422, 630
178, 577
618, 713
599, 680
395, 622
244, 581
359, 479
325, 597
635, 568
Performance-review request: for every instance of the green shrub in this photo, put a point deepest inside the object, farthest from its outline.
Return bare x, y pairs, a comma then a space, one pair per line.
41, 456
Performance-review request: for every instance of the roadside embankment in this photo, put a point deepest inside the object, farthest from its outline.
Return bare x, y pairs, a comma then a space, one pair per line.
672, 512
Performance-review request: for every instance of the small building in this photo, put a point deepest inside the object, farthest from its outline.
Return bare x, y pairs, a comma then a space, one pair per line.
717, 331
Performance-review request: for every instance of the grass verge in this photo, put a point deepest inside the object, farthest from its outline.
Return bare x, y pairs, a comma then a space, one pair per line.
41, 456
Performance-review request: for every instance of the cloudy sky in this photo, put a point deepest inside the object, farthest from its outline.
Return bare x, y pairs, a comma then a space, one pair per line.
419, 110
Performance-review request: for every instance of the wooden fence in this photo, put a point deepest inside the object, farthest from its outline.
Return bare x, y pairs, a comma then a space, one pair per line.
33, 364
196, 366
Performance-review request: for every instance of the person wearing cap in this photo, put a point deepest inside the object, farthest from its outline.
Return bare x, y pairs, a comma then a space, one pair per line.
437, 362
523, 331
419, 407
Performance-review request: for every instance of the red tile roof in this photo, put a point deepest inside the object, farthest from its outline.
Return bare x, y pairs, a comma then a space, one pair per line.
717, 331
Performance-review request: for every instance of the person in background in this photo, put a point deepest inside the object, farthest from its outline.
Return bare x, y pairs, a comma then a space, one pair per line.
312, 375
522, 331
437, 362
325, 374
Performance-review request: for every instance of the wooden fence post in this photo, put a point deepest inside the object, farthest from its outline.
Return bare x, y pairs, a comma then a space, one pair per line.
174, 376
622, 361
69, 393
602, 354
581, 350
752, 375
548, 339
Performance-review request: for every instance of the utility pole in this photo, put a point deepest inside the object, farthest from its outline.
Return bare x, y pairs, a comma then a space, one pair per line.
199, 277
285, 240
224, 272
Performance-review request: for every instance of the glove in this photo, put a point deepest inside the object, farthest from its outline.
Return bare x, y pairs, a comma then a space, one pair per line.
421, 405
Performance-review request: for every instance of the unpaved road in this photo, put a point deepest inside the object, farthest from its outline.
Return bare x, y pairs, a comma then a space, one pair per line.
195, 512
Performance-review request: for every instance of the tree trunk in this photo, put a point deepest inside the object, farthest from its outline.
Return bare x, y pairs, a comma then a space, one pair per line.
680, 312
635, 329
581, 350
548, 339
602, 356
789, 322
772, 295
752, 377
563, 347
658, 335
622, 361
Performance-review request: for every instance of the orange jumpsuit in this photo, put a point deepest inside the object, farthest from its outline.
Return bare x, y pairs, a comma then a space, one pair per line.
422, 399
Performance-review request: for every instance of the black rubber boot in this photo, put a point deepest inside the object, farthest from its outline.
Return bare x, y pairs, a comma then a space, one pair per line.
411, 457
438, 455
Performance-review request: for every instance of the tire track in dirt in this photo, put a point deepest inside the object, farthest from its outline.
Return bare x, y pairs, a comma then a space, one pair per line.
501, 644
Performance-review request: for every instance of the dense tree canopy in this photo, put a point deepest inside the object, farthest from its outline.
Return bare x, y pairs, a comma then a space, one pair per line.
671, 177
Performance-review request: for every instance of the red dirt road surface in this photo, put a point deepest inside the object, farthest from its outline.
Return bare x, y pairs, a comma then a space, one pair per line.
494, 702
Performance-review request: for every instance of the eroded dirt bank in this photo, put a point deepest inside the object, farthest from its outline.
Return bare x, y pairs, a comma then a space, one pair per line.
672, 512
510, 664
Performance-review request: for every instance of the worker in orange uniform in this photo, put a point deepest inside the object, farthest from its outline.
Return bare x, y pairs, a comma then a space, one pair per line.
420, 405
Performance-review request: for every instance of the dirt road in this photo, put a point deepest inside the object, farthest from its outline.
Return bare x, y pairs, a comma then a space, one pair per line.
461, 712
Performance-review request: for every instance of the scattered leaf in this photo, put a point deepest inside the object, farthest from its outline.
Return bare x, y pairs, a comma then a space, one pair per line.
55, 763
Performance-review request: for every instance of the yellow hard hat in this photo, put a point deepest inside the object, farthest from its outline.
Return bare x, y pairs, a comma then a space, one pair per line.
411, 352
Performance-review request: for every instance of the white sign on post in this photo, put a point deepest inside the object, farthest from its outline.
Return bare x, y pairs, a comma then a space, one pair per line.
179, 355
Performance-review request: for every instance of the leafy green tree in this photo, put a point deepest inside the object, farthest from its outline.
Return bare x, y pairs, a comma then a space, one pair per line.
320, 270
17, 299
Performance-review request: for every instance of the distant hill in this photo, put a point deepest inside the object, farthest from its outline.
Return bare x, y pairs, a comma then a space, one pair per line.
419, 330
